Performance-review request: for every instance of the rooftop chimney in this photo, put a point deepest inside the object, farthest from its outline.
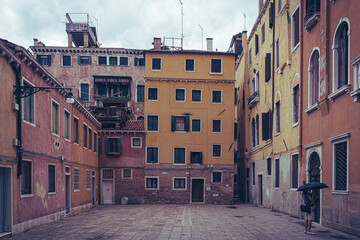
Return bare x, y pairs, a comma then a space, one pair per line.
157, 43
38, 43
209, 44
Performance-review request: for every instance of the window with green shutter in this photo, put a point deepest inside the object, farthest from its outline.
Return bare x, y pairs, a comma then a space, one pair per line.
113, 146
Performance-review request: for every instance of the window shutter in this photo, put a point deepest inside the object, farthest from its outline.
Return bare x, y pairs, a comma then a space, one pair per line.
200, 156
49, 60
118, 142
89, 59
265, 126
155, 155
187, 124
270, 123
173, 123
271, 15
106, 145
38, 58
99, 145
79, 60
267, 67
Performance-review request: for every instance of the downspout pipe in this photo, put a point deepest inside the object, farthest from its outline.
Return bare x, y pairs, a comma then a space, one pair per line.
17, 69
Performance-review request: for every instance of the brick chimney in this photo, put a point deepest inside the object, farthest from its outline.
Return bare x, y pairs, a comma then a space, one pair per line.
157, 43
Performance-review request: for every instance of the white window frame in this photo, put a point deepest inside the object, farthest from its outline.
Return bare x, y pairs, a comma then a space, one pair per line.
158, 183
200, 95
119, 61
184, 95
212, 176
356, 83
212, 126
52, 127
152, 69
294, 124
77, 190
69, 125
107, 60
294, 47
291, 170
88, 171
185, 160
147, 96
179, 189
136, 93
132, 142
158, 155
62, 60
192, 125
212, 91
312, 107
221, 71
147, 123
85, 81
131, 173
32, 181
212, 151
34, 106
185, 65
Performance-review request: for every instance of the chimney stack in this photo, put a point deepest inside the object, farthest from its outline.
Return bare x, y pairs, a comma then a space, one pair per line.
209, 44
157, 43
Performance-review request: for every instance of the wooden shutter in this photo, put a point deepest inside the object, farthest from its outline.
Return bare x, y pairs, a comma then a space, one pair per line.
173, 121
267, 67
271, 15
118, 142
265, 126
107, 149
155, 155
99, 145
256, 44
187, 124
270, 123
200, 156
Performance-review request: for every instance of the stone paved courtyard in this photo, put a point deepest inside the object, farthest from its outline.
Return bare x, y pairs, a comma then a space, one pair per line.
219, 222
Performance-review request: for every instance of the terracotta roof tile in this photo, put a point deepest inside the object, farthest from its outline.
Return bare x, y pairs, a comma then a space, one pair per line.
134, 125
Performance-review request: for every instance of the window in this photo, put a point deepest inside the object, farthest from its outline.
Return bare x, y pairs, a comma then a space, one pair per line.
216, 125
253, 173
88, 186
295, 28
152, 182
179, 183
26, 177
66, 125
314, 75
152, 93
341, 56
139, 61
90, 137
195, 125
296, 99
113, 61
136, 142
277, 54
195, 157
235, 131
256, 44
85, 92
217, 177
140, 118
253, 131
277, 173
101, 89
312, 10
266, 125
51, 178
189, 65
179, 156
195, 95
127, 173
356, 90
277, 109
156, 64
113, 146
85, 135
152, 155
250, 58
102, 60
55, 125
216, 150
29, 106
124, 61
235, 96
263, 33
76, 179
107, 174
255, 84
295, 171
341, 166
84, 60
152, 123
216, 96
95, 141
66, 61
180, 94
76, 130
267, 67
44, 60
180, 123
140, 93
268, 160
216, 66
257, 130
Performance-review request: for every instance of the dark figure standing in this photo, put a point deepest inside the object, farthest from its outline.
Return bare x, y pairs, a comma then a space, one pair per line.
310, 198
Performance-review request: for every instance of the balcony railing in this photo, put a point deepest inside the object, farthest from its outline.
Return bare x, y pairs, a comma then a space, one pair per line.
253, 99
312, 15
113, 114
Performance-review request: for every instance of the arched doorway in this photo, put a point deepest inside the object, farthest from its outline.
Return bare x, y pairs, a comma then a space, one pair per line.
314, 176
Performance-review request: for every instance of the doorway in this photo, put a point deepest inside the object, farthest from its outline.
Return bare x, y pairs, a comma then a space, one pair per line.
107, 192
314, 176
260, 190
197, 190
93, 188
5, 200
67, 190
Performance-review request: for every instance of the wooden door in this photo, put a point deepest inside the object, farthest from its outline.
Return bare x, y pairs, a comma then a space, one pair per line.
260, 191
93, 190
67, 194
107, 192
197, 192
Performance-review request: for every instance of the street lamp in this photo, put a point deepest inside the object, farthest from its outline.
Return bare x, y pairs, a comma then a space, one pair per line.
26, 91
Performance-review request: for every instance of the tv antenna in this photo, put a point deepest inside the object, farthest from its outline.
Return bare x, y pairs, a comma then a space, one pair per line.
202, 37
182, 24
244, 21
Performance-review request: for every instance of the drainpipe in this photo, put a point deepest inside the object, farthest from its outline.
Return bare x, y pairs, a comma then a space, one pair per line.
273, 75
18, 119
301, 100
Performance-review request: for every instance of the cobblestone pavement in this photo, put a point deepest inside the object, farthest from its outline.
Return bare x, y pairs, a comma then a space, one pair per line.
218, 222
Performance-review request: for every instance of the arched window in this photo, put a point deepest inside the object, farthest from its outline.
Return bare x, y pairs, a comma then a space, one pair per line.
85, 92
314, 78
253, 132
314, 167
140, 118
257, 129
341, 56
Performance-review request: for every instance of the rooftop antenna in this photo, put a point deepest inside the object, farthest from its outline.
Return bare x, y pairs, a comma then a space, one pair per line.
202, 37
244, 21
182, 24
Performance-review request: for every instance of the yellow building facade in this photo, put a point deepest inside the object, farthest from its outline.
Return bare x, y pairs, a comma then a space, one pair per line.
189, 112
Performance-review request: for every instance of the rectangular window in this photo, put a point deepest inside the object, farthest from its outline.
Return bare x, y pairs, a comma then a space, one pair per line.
216, 96
66, 125
253, 173
156, 64
216, 66
85, 135
113, 61
256, 44
195, 95
296, 99
217, 177
277, 54
29, 106
51, 176
216, 150
180, 123
180, 94
263, 33
88, 186
108, 174
268, 160
139, 61
235, 96
195, 157
152, 93
44, 60
85, 92
113, 146
124, 61
152, 123
102, 60
341, 166
101, 89
216, 125
95, 141
195, 125
267, 67
278, 116
266, 125
26, 177
76, 179
179, 183
295, 171
136, 142
55, 126
179, 156
277, 173
190, 65
235, 131
295, 28
140, 93
152, 155
76, 130
66, 61
84, 60
152, 182
127, 173
90, 137
250, 58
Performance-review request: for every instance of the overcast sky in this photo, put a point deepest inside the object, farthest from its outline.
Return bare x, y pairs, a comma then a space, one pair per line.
128, 23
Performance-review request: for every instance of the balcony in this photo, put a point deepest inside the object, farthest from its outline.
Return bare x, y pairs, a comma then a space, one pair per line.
114, 117
119, 101
253, 99
312, 15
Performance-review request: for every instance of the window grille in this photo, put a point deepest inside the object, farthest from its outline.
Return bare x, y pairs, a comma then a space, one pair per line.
341, 166
295, 172
108, 174
277, 173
